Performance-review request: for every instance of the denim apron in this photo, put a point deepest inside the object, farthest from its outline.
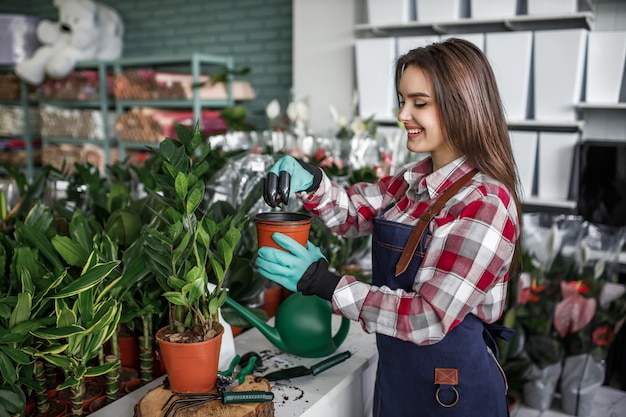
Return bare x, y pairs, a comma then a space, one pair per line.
419, 381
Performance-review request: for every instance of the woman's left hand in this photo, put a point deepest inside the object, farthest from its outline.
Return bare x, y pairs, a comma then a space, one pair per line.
286, 267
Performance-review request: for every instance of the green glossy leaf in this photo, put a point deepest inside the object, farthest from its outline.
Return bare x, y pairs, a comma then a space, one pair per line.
12, 402
183, 247
105, 315
5, 311
176, 298
61, 361
26, 327
195, 197
226, 251
89, 279
184, 134
39, 240
194, 274
15, 354
22, 309
214, 304
7, 369
181, 184
232, 236
195, 290
70, 251
68, 383
217, 268
176, 283
3, 411
59, 332
101, 369
12, 338
54, 349
65, 315
81, 232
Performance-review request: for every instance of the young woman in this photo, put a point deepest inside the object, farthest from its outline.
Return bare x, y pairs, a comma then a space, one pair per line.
445, 235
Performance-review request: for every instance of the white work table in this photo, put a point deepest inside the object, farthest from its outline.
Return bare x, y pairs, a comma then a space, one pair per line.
336, 392
344, 390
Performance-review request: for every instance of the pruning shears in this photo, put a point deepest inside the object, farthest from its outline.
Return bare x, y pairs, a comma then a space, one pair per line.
226, 380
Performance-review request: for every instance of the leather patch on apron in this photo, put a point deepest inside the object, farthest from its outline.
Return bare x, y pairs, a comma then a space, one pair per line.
446, 376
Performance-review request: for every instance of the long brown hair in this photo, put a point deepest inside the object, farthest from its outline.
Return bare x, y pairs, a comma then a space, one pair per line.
472, 116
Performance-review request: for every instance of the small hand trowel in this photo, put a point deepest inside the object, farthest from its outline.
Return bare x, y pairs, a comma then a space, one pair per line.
303, 370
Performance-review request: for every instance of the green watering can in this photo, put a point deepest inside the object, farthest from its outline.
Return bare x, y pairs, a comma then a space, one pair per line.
302, 326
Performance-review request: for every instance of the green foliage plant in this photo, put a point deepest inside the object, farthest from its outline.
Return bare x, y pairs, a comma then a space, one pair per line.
187, 248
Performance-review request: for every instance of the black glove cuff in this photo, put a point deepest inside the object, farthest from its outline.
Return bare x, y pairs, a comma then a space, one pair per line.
315, 171
318, 280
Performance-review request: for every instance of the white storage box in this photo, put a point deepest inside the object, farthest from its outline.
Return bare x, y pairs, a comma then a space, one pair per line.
384, 12
605, 66
482, 9
559, 66
441, 10
537, 7
556, 154
510, 55
375, 60
524, 146
18, 37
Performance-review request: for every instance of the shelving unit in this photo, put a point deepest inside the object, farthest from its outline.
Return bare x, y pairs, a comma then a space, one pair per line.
27, 136
108, 105
102, 104
473, 25
194, 64
467, 26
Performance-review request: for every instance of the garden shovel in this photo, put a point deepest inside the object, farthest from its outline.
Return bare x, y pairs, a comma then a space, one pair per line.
303, 370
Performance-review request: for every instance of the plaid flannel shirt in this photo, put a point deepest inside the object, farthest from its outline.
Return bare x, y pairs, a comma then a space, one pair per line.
465, 268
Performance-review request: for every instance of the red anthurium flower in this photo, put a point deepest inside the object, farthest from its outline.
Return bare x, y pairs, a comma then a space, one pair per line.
602, 336
579, 287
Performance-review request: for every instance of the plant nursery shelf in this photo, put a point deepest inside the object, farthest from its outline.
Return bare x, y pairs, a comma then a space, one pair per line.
469, 25
541, 202
173, 103
602, 106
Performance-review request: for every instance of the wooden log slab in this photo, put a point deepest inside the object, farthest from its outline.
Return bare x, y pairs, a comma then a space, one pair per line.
152, 404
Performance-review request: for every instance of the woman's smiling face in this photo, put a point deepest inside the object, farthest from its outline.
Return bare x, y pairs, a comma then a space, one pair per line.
420, 115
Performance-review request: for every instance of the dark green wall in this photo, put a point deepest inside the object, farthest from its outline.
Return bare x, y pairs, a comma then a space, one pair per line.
257, 33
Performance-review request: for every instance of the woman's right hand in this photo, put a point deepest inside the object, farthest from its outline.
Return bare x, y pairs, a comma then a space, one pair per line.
287, 177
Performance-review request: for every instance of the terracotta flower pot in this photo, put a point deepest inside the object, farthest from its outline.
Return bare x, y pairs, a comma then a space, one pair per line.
294, 225
272, 297
191, 367
129, 351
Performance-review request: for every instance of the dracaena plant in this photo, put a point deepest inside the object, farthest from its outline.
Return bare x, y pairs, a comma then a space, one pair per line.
186, 246
66, 299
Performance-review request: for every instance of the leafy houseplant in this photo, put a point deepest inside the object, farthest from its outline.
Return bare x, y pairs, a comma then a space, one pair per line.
186, 248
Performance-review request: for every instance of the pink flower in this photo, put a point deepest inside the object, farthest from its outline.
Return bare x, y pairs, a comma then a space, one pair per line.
575, 311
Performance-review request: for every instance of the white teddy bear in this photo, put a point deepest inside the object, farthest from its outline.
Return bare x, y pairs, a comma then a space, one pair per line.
86, 30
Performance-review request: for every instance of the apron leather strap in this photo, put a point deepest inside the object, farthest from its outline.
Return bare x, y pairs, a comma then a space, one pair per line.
425, 218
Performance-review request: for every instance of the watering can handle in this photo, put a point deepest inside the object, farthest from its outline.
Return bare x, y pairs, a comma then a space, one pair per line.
342, 332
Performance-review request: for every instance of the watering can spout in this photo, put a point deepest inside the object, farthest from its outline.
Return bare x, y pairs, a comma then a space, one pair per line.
266, 330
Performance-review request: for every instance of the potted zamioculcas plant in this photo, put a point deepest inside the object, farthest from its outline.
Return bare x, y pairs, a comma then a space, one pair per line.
188, 250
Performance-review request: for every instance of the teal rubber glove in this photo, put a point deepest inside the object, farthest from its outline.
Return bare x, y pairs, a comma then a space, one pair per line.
286, 267
287, 177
